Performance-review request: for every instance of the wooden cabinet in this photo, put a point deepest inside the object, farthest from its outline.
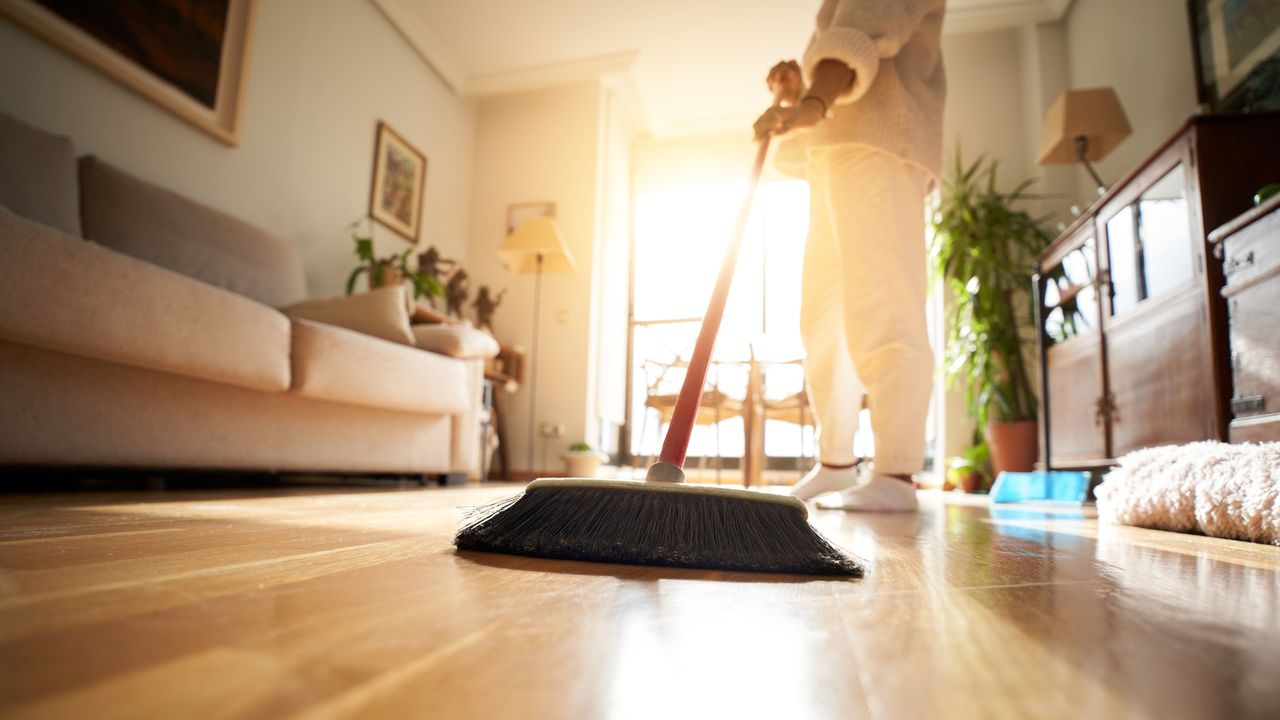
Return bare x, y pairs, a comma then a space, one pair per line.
1133, 331
1250, 250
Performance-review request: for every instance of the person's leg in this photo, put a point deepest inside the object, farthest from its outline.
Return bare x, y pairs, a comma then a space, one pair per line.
877, 205
835, 393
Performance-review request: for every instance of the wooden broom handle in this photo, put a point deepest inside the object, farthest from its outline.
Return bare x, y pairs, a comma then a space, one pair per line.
676, 444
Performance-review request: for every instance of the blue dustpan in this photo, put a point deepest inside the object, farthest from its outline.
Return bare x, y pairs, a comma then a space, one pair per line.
1053, 486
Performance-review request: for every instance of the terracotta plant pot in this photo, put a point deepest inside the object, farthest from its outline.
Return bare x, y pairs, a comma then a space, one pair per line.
969, 481
391, 277
1015, 446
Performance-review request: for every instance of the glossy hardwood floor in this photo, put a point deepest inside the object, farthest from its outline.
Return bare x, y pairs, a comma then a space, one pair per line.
352, 603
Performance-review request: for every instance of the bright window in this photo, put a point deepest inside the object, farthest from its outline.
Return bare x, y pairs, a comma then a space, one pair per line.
681, 237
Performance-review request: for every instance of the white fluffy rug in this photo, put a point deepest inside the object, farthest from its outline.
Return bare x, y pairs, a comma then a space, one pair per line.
1227, 491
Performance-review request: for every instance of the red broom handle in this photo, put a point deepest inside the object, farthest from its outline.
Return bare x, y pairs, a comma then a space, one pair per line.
676, 444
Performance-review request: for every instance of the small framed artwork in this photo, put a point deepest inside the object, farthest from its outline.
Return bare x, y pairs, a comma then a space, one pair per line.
520, 212
1237, 53
399, 179
186, 56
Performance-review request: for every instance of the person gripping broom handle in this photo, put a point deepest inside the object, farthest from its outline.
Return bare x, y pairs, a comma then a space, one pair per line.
676, 445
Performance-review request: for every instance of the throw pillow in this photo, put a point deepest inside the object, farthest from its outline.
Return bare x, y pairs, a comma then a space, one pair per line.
457, 341
382, 313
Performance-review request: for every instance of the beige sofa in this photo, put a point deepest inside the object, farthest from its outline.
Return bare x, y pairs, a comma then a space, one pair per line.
156, 342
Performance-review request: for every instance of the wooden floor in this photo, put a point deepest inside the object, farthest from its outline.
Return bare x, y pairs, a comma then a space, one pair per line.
352, 603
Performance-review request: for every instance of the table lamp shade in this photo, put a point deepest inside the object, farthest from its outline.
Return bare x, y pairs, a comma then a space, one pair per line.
1094, 114
534, 237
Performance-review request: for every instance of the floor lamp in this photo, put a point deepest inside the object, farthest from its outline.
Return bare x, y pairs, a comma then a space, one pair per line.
536, 247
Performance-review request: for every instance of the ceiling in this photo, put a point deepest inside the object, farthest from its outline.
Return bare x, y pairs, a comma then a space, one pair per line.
685, 66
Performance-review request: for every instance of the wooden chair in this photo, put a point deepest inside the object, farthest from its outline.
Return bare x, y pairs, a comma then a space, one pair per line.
714, 408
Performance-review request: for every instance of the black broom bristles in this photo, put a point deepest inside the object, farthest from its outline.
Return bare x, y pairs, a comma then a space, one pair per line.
637, 523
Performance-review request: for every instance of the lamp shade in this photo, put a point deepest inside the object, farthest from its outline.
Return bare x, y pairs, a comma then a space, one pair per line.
1094, 114
534, 237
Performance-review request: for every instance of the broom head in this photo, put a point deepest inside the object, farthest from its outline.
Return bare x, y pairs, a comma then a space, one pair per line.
656, 523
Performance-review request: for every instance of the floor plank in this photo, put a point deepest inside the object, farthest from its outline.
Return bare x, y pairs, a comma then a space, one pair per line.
352, 603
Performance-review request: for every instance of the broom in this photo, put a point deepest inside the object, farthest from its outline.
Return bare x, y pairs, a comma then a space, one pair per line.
662, 521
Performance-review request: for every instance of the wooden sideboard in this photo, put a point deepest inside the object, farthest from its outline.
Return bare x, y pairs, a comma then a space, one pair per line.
1249, 248
1132, 323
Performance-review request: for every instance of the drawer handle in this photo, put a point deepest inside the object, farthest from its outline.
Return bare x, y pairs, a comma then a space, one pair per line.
1236, 263
1248, 404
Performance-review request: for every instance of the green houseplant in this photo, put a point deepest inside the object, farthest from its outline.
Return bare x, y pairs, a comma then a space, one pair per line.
982, 250
389, 270
969, 471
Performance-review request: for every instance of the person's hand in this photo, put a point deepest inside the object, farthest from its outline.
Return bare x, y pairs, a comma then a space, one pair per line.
785, 82
784, 120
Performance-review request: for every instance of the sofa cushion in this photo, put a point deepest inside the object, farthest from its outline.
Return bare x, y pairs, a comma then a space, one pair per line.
382, 313
330, 363
61, 293
38, 175
162, 227
457, 341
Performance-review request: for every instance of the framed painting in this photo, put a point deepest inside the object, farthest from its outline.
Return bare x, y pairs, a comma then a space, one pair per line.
1237, 53
399, 178
187, 56
519, 212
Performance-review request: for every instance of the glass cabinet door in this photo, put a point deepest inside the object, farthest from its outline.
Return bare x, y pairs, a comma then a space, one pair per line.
1071, 295
1149, 244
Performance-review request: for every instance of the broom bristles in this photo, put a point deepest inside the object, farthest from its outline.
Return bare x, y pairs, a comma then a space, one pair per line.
637, 523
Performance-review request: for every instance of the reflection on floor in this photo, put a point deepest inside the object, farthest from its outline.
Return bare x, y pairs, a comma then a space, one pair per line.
352, 603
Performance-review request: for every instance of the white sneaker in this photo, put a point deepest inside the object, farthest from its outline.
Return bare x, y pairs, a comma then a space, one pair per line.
822, 479
882, 493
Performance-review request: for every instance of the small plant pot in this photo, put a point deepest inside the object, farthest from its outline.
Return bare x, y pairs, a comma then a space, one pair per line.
390, 277
583, 463
969, 481
1014, 446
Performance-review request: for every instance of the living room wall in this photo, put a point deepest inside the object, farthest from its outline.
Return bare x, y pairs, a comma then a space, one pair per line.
1142, 48
320, 76
540, 145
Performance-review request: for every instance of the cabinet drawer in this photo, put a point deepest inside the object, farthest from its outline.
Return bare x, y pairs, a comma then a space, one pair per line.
1252, 251
1263, 428
1255, 346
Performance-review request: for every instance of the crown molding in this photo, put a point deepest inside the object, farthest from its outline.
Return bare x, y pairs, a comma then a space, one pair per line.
419, 36
624, 89
997, 16
551, 75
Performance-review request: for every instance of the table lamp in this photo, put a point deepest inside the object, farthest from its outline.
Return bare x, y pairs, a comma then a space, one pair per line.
536, 247
1083, 126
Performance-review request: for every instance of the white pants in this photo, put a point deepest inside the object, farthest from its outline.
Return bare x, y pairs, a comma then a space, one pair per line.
862, 315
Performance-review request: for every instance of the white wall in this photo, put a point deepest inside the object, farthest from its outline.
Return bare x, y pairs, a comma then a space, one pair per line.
985, 111
1142, 48
321, 74
541, 146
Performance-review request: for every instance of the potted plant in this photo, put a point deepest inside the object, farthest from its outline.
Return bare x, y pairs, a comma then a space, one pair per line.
969, 471
583, 461
982, 249
389, 270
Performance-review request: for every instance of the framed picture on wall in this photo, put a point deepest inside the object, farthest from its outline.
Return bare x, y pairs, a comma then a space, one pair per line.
1237, 48
187, 56
519, 212
399, 178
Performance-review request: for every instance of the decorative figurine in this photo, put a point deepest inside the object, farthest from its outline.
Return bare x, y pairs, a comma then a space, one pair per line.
485, 305
431, 264
455, 293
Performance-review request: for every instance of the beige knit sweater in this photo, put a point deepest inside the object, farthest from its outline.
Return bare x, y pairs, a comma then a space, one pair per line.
896, 100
